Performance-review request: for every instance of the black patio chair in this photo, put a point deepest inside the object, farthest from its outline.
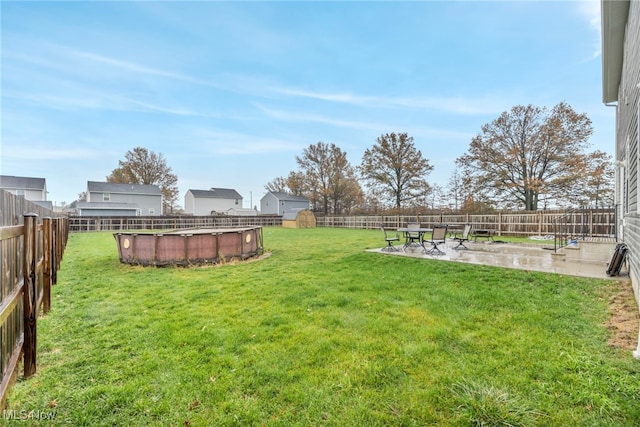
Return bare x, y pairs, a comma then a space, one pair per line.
390, 238
438, 237
464, 237
412, 235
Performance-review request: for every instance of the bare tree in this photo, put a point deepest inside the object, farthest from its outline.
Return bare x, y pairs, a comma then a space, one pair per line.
527, 152
395, 169
142, 166
277, 185
327, 171
596, 186
294, 184
455, 191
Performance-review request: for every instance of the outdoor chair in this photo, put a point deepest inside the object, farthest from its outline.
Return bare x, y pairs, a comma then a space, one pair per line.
412, 235
390, 238
438, 237
464, 237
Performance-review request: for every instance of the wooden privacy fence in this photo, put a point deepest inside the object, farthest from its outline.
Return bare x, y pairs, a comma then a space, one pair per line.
132, 223
593, 223
31, 253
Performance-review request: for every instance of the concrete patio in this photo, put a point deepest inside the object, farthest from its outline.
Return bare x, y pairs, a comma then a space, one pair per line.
586, 259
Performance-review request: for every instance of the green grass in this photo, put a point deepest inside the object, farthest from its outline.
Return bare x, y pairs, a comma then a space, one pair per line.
324, 333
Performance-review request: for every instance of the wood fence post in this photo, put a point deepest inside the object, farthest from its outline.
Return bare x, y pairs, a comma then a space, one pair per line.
539, 223
47, 255
30, 296
56, 230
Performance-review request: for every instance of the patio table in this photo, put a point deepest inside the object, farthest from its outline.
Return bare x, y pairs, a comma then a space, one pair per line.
411, 239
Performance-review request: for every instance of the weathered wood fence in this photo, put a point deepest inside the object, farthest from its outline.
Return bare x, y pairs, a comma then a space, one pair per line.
31, 248
594, 223
132, 223
588, 222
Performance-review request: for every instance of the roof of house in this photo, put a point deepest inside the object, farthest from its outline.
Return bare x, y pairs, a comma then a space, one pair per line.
113, 187
106, 205
286, 196
22, 182
216, 193
614, 21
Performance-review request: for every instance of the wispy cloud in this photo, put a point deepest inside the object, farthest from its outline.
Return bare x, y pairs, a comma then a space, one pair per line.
220, 142
141, 69
43, 153
296, 116
456, 105
590, 9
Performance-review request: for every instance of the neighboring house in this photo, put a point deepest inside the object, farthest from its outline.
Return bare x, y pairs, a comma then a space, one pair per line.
242, 212
278, 203
211, 202
115, 199
621, 87
32, 189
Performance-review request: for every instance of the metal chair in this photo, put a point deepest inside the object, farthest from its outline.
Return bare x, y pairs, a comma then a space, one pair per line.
438, 237
390, 239
464, 237
412, 235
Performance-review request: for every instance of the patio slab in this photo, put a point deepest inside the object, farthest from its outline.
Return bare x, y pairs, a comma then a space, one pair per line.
587, 259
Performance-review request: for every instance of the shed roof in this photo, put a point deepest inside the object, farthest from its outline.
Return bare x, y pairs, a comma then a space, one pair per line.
216, 193
22, 182
614, 21
114, 187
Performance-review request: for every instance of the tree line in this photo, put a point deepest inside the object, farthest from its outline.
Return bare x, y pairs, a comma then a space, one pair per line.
528, 158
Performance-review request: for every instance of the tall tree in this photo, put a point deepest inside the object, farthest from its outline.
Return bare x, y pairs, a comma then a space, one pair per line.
395, 169
294, 184
455, 191
597, 185
527, 152
326, 170
277, 185
142, 166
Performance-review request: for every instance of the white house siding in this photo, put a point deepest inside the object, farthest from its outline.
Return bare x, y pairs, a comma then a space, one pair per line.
144, 199
148, 204
206, 202
32, 189
280, 203
628, 146
107, 212
269, 204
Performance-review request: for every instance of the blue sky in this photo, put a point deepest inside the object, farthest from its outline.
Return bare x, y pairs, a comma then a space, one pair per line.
231, 92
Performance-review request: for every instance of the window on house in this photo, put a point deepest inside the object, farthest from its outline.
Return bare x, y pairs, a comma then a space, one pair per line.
152, 211
106, 197
20, 193
236, 201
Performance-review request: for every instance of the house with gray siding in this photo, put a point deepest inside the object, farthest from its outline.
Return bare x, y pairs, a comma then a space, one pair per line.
32, 189
115, 199
211, 202
621, 89
279, 203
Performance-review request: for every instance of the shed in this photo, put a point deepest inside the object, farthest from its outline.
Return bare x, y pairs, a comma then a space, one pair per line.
302, 218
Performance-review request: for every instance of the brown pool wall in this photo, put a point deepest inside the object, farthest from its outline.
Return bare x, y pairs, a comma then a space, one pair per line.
189, 246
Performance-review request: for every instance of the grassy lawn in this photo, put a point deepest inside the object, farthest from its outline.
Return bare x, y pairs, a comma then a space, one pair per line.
323, 333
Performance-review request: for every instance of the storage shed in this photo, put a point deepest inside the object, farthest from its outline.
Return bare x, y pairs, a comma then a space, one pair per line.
303, 218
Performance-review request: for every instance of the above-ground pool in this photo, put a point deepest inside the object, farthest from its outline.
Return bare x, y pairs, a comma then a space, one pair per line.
189, 246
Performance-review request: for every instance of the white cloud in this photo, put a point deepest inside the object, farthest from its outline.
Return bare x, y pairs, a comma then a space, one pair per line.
590, 9
232, 143
458, 105
141, 69
296, 116
44, 153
